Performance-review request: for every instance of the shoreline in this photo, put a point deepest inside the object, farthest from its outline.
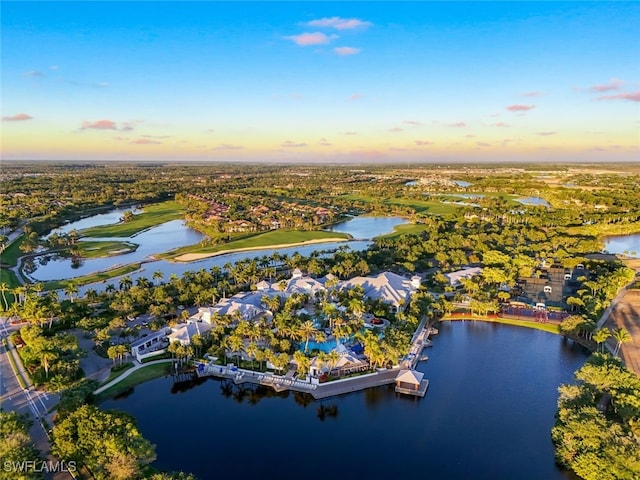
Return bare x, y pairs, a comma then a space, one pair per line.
192, 257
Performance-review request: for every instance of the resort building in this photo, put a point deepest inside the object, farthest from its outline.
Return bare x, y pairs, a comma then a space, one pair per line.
152, 343
387, 287
244, 305
456, 277
184, 332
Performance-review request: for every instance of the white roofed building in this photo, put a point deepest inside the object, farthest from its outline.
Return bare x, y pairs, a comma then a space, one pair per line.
455, 277
389, 287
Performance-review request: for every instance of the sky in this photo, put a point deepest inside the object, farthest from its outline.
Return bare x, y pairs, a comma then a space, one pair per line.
321, 82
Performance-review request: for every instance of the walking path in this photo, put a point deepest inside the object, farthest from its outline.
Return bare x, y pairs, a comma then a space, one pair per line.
129, 372
626, 314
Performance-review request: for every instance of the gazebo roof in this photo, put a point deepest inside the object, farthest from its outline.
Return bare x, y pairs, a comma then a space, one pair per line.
410, 376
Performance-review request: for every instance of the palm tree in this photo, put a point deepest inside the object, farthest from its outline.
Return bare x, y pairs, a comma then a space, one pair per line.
332, 359
308, 330
70, 290
157, 275
621, 336
125, 282
600, 336
4, 288
303, 362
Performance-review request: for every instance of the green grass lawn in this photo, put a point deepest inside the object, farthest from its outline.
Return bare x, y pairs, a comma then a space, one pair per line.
405, 229
92, 249
275, 237
92, 278
8, 277
546, 327
151, 216
11, 254
118, 370
139, 376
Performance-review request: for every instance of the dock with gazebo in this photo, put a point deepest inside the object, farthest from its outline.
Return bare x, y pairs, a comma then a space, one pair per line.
411, 382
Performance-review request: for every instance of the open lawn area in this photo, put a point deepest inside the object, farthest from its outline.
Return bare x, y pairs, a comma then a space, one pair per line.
93, 249
92, 278
405, 229
139, 376
11, 254
261, 240
545, 327
433, 207
8, 277
151, 216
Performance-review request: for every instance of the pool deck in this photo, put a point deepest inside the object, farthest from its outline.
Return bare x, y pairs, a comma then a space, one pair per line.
280, 383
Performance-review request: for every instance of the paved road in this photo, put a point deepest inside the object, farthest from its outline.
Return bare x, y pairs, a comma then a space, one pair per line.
31, 402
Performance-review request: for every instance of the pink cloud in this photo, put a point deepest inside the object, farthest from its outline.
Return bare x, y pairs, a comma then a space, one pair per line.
422, 143
226, 146
413, 123
483, 144
290, 144
344, 51
458, 125
20, 117
613, 84
633, 97
349, 133
546, 134
520, 108
533, 93
99, 125
396, 129
339, 23
324, 142
500, 124
157, 136
356, 96
306, 39
469, 136
145, 141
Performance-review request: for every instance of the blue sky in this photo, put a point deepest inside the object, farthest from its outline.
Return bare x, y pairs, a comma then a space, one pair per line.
307, 81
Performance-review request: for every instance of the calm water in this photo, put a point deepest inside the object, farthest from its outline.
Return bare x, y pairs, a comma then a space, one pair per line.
532, 201
159, 239
359, 227
367, 227
108, 218
487, 415
623, 244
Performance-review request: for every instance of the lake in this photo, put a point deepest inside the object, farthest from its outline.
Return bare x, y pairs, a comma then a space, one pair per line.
175, 234
623, 243
487, 415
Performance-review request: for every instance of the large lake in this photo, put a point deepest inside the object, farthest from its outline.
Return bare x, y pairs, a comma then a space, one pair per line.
487, 415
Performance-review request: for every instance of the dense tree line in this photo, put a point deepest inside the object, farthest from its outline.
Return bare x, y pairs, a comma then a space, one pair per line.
597, 434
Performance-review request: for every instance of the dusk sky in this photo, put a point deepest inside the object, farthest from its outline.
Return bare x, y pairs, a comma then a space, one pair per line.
321, 82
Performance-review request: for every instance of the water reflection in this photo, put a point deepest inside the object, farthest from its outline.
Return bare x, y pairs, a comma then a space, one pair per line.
488, 414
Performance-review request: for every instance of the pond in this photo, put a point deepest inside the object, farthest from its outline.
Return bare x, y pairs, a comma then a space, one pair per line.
159, 239
623, 244
536, 201
462, 183
108, 218
366, 227
487, 415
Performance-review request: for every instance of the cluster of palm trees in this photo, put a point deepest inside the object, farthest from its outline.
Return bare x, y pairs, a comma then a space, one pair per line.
579, 327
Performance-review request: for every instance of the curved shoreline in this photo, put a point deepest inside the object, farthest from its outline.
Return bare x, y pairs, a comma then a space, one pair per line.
545, 327
192, 257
